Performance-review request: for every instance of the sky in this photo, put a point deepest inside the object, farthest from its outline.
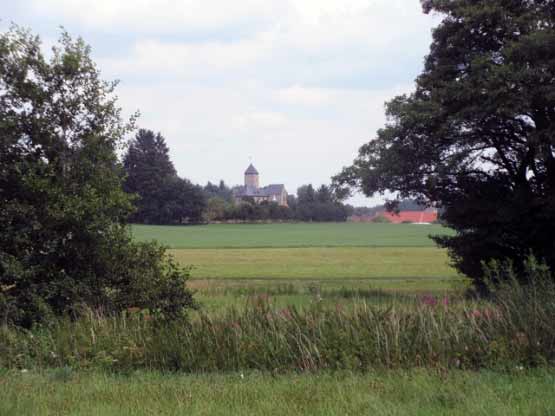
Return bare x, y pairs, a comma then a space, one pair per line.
296, 86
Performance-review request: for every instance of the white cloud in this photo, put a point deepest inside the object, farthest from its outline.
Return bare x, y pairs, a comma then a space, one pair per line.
258, 120
299, 85
302, 42
298, 95
154, 57
160, 16
184, 16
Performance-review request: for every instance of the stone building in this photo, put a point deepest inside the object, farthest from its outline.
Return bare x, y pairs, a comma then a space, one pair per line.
252, 190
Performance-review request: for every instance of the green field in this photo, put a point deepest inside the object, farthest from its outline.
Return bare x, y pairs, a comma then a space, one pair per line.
234, 258
290, 235
427, 393
341, 263
387, 256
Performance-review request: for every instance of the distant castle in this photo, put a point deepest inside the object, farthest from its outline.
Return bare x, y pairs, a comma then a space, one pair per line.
252, 190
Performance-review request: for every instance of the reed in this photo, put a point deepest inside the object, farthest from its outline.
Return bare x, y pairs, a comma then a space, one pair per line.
516, 329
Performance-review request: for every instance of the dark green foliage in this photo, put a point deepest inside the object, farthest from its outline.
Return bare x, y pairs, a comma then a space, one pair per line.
251, 211
220, 205
306, 194
147, 163
215, 209
181, 202
148, 278
163, 197
292, 202
63, 241
477, 138
322, 205
221, 191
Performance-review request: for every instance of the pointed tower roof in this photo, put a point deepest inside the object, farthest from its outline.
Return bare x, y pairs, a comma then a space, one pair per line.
251, 170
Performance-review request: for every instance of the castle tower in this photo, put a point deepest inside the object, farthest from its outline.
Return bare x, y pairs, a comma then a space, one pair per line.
251, 178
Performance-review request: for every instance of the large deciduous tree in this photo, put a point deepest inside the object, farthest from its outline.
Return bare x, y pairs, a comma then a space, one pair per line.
64, 242
477, 137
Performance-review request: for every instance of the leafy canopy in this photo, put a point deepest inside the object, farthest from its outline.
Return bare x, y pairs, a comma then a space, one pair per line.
64, 242
477, 137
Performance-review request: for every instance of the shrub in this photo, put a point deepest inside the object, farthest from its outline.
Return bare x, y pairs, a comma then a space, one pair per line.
148, 278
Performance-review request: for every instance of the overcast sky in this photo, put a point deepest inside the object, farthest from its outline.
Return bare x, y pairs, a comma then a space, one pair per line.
298, 85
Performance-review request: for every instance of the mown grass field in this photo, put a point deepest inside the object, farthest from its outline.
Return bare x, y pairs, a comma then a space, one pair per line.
231, 261
341, 263
398, 257
418, 392
290, 235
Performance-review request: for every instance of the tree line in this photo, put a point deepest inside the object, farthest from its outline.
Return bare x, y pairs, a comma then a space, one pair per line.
162, 197
309, 204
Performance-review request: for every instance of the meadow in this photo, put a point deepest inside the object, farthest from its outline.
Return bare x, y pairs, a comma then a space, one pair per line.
353, 319
232, 261
290, 235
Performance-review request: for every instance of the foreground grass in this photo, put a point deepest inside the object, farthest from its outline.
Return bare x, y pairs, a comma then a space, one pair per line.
291, 235
416, 392
391, 332
318, 263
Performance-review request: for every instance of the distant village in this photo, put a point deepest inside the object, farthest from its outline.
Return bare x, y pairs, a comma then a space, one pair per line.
251, 191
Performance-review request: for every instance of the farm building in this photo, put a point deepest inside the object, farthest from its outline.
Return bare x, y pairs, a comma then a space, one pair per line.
252, 190
417, 217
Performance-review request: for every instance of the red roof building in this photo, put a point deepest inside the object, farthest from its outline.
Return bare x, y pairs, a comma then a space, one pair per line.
427, 216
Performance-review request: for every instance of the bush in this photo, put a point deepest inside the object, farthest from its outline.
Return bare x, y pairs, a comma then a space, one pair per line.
111, 276
148, 279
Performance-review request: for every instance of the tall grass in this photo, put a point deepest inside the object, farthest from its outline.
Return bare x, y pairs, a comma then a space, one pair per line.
516, 329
